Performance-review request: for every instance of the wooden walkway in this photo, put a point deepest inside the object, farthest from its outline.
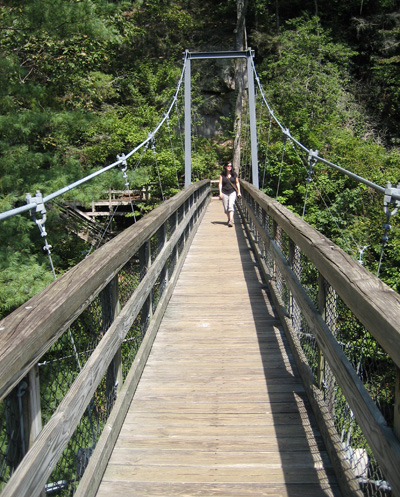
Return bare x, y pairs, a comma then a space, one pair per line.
220, 409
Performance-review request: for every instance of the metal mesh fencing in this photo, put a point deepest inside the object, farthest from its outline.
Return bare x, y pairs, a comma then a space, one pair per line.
66, 358
156, 243
372, 364
377, 372
10, 438
171, 226
80, 341
128, 279
131, 343
61, 364
58, 369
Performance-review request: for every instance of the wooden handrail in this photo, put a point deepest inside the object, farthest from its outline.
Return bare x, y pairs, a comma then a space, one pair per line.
371, 301
375, 304
32, 329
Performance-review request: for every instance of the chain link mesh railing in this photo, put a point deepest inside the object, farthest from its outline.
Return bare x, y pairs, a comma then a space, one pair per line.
372, 364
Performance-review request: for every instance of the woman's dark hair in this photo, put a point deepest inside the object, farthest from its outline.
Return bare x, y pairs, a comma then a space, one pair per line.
224, 169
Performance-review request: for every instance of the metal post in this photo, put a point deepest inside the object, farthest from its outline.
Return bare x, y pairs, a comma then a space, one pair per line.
252, 108
188, 124
253, 124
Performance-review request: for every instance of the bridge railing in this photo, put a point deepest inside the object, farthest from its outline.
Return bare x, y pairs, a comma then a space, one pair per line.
343, 324
71, 357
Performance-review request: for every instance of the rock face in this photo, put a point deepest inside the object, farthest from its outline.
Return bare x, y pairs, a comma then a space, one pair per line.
214, 78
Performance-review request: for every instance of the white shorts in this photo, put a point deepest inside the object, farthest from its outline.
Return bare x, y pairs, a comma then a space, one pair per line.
229, 202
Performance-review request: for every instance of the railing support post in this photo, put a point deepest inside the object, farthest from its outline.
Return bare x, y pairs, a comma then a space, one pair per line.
34, 409
23, 417
145, 263
162, 238
294, 262
327, 310
174, 253
110, 310
396, 423
322, 310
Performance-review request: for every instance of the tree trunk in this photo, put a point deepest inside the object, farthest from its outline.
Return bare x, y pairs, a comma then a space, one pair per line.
240, 72
277, 18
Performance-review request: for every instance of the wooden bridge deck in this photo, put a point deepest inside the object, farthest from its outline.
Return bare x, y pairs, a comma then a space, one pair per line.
220, 409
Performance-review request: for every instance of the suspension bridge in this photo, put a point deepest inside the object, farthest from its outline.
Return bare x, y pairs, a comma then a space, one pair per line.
184, 357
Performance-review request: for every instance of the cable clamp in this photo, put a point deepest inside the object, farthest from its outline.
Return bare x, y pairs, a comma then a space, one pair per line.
153, 142
286, 134
361, 253
38, 200
41, 209
313, 157
391, 198
391, 204
123, 166
312, 160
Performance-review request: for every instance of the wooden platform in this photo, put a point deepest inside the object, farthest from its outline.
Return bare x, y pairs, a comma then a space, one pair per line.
220, 410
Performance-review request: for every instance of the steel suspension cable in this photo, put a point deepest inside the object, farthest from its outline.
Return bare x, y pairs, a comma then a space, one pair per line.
179, 126
393, 193
124, 167
280, 170
322, 192
173, 154
285, 131
267, 150
30, 206
153, 146
311, 163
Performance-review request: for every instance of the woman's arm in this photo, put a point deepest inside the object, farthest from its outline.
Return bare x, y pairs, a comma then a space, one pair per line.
220, 186
238, 186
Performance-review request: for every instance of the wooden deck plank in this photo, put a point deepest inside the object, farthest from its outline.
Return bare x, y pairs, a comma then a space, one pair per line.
220, 409
212, 472
180, 489
225, 444
191, 458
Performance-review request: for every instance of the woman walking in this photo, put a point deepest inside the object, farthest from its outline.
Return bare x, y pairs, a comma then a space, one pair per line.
229, 188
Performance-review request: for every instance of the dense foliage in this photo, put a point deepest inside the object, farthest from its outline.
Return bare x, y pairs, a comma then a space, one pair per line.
85, 80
